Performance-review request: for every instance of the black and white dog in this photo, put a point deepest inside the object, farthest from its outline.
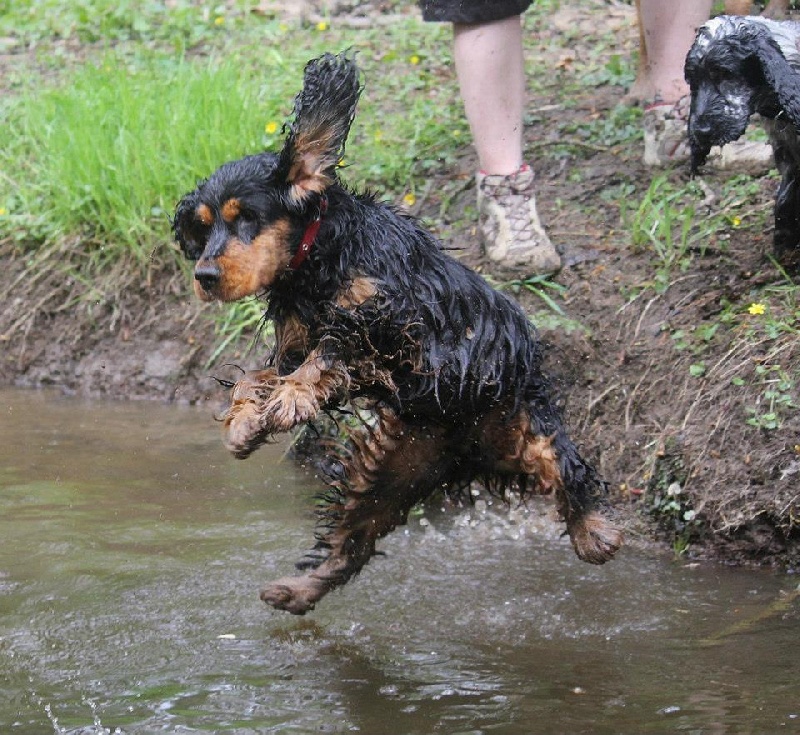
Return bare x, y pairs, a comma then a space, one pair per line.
739, 66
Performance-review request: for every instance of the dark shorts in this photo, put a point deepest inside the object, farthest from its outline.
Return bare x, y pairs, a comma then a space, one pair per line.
471, 11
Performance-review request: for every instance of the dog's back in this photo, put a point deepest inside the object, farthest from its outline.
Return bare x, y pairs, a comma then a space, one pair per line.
453, 344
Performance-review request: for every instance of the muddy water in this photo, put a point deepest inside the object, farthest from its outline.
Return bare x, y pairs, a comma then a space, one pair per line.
131, 554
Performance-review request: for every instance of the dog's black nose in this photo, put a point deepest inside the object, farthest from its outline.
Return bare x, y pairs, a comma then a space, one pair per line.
208, 275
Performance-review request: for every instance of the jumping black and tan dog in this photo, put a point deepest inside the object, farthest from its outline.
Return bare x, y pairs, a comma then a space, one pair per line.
367, 307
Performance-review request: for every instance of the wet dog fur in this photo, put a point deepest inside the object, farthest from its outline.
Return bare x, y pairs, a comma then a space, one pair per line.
372, 310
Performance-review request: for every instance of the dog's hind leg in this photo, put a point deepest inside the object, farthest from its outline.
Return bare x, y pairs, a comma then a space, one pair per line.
549, 458
392, 467
786, 241
786, 148
594, 537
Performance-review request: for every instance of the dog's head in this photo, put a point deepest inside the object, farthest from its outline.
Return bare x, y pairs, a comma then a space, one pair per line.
735, 68
244, 224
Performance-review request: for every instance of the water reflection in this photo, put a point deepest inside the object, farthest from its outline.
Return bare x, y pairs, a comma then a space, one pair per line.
133, 550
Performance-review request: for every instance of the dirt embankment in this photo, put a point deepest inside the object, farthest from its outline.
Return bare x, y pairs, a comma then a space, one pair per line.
675, 441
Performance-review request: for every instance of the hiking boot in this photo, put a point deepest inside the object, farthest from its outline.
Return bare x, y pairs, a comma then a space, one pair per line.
512, 234
666, 141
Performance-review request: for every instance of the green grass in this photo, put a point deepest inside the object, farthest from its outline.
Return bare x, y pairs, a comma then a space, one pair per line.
752, 342
241, 322
106, 148
666, 222
769, 328
100, 144
183, 23
108, 155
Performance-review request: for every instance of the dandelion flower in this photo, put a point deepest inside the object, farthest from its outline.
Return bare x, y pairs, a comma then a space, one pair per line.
413, 59
756, 309
219, 20
3, 212
736, 221
409, 199
271, 128
322, 25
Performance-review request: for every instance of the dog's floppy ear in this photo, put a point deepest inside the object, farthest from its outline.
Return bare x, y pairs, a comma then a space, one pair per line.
323, 113
778, 73
182, 225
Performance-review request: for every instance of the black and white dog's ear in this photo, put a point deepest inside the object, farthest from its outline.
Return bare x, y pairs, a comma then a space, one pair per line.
778, 73
323, 114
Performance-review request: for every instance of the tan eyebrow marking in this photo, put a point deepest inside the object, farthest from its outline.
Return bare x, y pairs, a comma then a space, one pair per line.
205, 215
230, 210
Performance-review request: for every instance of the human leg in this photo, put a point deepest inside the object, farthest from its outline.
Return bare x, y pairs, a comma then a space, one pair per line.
669, 30
488, 53
489, 65
490, 68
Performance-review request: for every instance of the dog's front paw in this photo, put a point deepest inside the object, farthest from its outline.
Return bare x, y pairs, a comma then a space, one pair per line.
296, 595
244, 429
289, 405
594, 538
243, 432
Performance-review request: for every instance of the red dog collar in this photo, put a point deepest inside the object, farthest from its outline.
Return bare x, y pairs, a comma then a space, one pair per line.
309, 236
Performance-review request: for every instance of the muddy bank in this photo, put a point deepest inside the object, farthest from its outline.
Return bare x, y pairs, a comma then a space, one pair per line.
673, 434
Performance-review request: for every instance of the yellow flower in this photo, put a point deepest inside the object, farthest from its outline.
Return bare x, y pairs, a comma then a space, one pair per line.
378, 135
736, 221
3, 212
219, 20
322, 25
413, 59
271, 128
409, 199
756, 309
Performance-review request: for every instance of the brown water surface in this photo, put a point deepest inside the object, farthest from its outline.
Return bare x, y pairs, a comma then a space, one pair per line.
132, 549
